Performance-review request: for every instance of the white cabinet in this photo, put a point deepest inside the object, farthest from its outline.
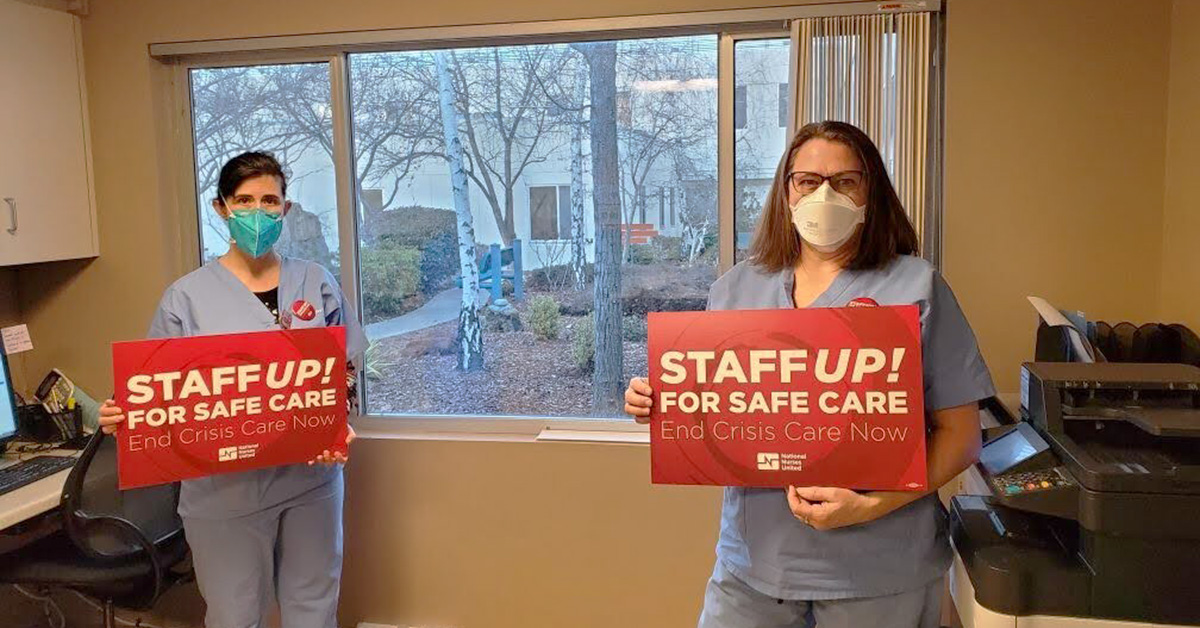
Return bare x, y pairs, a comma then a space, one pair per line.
47, 205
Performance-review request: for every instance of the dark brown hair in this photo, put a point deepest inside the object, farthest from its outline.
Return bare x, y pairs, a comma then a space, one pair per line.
886, 232
247, 166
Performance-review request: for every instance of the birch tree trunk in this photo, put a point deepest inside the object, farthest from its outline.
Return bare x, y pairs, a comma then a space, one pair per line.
470, 329
578, 236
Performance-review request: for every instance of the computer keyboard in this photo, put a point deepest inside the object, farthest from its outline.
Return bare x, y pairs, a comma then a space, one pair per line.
32, 470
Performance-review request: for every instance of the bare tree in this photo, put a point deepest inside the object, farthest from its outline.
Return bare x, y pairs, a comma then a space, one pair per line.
570, 103
578, 236
397, 125
669, 109
470, 331
505, 121
609, 368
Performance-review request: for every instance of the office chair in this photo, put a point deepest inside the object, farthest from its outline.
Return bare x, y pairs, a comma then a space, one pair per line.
120, 547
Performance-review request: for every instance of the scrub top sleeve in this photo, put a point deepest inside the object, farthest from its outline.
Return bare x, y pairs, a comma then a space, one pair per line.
339, 312
955, 373
166, 322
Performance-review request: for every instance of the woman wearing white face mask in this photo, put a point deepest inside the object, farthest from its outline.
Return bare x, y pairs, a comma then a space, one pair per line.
833, 233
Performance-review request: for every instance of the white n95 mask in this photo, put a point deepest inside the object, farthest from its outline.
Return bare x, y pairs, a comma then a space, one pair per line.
826, 218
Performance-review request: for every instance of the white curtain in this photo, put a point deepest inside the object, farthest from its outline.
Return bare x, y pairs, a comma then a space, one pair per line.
872, 71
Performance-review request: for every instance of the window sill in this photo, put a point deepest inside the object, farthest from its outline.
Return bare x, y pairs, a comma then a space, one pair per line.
503, 429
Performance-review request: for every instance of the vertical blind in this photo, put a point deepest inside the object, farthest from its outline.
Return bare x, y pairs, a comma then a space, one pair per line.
873, 71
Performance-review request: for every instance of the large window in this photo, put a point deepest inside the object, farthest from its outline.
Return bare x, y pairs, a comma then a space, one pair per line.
520, 208
536, 182
283, 109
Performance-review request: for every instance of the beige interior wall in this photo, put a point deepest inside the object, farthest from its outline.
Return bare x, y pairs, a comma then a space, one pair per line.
10, 314
1055, 144
1181, 214
1056, 148
522, 534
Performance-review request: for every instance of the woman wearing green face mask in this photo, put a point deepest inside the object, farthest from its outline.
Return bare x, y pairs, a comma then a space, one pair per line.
271, 534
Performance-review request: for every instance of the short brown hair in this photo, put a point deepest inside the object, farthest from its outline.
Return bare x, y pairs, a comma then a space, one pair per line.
886, 233
248, 166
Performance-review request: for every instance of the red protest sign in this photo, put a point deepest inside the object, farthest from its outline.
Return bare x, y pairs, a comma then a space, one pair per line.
807, 397
204, 405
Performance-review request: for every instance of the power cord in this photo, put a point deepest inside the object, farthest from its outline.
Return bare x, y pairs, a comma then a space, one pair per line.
54, 614
29, 450
48, 605
120, 620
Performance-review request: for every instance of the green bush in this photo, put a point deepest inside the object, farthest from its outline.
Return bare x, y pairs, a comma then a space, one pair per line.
556, 277
633, 329
711, 250
583, 344
544, 317
667, 248
433, 231
375, 362
390, 275
439, 263
642, 254
413, 226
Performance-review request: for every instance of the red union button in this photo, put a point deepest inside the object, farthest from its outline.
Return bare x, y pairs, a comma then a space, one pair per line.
304, 310
862, 302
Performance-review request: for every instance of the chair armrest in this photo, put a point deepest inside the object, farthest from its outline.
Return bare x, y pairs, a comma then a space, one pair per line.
78, 526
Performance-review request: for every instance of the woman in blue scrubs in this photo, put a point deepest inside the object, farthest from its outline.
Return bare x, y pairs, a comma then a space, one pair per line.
833, 232
272, 534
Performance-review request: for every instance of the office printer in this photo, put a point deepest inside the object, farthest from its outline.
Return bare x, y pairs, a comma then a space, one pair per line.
1095, 497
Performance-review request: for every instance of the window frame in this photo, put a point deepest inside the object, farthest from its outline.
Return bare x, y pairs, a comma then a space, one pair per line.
334, 49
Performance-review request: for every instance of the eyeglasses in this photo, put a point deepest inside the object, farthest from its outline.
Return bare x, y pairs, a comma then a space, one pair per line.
845, 182
269, 202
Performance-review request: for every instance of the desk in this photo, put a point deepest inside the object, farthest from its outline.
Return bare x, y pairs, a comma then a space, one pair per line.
37, 498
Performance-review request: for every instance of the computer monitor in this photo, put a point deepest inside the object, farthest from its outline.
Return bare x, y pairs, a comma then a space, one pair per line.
8, 403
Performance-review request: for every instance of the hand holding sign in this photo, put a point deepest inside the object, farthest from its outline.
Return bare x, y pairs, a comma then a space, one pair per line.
826, 508
638, 401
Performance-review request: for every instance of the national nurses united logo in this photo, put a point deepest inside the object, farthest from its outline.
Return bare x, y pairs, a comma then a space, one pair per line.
237, 452
781, 462
768, 462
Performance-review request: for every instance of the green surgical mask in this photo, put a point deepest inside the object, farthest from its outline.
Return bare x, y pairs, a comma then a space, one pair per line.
255, 231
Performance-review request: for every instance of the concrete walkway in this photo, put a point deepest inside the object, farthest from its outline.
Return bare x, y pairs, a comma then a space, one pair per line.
441, 308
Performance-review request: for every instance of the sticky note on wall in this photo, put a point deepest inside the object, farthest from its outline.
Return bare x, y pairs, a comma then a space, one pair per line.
16, 339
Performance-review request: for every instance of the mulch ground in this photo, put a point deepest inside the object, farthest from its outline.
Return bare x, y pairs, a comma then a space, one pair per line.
522, 375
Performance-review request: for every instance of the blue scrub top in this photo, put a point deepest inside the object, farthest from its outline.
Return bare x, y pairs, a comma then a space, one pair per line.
211, 300
761, 542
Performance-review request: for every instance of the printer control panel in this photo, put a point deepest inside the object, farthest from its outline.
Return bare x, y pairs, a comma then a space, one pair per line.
1022, 482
